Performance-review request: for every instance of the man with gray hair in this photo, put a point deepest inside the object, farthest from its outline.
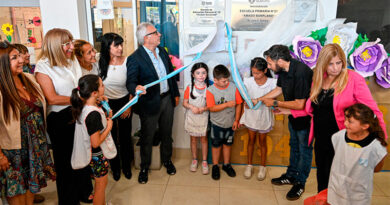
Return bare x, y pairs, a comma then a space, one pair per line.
156, 106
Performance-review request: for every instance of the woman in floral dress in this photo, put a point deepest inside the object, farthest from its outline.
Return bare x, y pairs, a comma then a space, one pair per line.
25, 161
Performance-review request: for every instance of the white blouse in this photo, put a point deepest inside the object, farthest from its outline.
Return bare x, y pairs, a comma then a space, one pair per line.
64, 79
115, 82
95, 70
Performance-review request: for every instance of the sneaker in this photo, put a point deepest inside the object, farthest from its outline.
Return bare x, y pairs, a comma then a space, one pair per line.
295, 192
261, 174
229, 170
215, 172
205, 167
194, 165
248, 171
282, 180
171, 170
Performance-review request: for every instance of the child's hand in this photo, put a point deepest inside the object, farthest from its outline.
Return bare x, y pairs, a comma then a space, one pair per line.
195, 110
235, 125
246, 105
231, 103
109, 123
110, 114
254, 101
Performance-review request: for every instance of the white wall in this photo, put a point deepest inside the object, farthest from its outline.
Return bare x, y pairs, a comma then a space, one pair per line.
66, 14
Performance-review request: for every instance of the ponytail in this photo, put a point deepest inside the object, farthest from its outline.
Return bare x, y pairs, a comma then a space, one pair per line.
77, 104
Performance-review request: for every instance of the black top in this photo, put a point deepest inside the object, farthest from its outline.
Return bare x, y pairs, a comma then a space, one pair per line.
364, 142
296, 84
325, 124
94, 124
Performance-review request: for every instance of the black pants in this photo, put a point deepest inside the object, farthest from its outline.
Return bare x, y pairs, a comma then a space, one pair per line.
72, 185
121, 134
324, 154
149, 123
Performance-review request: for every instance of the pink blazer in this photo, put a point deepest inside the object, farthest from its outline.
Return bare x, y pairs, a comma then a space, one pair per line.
356, 91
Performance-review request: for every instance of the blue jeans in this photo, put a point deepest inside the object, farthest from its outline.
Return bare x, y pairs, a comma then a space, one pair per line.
300, 155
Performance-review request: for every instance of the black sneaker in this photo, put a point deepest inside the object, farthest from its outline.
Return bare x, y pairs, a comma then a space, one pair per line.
215, 172
171, 170
143, 176
229, 170
295, 192
282, 180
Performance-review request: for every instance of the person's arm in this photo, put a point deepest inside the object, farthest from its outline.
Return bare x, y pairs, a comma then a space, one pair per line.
96, 137
132, 75
273, 94
379, 166
4, 163
49, 91
237, 116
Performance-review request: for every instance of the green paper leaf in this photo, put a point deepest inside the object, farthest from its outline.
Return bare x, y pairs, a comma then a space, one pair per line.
9, 38
359, 41
320, 35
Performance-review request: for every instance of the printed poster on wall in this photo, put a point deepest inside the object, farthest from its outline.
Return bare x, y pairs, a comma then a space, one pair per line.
254, 15
204, 13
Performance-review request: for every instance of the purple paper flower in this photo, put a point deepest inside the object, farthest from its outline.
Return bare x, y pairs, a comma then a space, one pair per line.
307, 50
293, 55
368, 58
383, 74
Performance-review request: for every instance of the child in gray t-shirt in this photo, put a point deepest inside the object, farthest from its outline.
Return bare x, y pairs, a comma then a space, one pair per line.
224, 102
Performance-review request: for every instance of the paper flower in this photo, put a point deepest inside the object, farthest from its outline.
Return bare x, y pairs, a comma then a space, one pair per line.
7, 29
343, 34
293, 55
368, 58
176, 62
383, 74
307, 49
32, 40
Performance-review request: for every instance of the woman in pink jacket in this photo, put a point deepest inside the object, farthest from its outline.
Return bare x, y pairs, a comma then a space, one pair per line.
334, 88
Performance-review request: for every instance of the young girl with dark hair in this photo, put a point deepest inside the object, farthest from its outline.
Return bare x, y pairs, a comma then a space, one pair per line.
197, 114
259, 122
113, 71
93, 143
360, 150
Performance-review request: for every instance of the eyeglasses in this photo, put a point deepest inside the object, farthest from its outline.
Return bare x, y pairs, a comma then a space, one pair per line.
71, 42
152, 33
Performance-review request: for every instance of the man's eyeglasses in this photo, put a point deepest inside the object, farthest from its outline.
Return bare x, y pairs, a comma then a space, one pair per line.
71, 42
152, 33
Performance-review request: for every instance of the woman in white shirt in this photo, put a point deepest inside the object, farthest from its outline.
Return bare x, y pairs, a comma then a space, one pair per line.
113, 71
58, 72
86, 55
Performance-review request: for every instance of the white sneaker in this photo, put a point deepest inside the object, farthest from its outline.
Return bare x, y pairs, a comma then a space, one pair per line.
205, 167
261, 174
194, 165
248, 171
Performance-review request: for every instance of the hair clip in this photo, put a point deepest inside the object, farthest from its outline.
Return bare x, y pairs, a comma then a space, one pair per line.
374, 116
78, 88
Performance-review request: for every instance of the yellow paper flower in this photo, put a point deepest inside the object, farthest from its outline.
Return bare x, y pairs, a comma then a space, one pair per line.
7, 29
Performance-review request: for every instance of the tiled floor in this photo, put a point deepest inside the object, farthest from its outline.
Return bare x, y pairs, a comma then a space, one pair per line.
194, 188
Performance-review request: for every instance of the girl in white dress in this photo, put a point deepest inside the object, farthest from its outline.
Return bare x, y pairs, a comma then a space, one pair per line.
260, 121
197, 114
360, 150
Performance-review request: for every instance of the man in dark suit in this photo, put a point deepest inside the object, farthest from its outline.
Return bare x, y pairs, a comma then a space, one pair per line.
156, 106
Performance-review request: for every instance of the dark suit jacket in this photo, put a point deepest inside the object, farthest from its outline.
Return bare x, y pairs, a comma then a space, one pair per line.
140, 71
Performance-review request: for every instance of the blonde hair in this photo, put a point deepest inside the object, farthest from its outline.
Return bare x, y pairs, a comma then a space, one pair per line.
52, 47
340, 82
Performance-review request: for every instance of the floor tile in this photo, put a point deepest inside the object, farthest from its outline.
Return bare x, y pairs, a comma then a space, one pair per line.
136, 194
236, 196
240, 182
189, 195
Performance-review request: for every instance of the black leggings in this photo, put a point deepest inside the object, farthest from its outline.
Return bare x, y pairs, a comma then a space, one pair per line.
121, 134
72, 185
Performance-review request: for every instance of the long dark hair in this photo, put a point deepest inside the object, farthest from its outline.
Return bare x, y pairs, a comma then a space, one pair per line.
261, 65
195, 67
104, 61
87, 85
365, 115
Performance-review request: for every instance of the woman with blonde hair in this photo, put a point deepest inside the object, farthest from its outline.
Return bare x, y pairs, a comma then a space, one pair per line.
25, 161
58, 72
86, 55
334, 88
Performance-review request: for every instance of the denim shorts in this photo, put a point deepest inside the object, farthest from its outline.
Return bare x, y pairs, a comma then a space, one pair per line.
221, 136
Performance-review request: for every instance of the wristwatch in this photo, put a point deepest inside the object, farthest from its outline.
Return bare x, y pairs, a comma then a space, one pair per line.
275, 103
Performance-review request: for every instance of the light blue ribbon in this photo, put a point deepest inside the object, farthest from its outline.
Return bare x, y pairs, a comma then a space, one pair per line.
236, 75
138, 92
